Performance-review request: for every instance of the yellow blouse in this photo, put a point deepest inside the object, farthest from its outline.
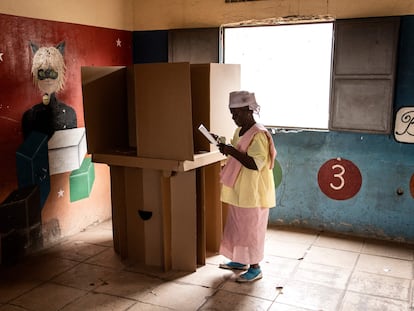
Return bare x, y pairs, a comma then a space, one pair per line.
253, 188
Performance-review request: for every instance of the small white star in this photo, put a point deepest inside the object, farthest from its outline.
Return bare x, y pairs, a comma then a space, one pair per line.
118, 42
1, 57
60, 193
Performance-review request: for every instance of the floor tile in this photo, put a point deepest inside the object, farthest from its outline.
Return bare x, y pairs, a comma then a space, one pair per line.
13, 288
153, 271
139, 306
329, 240
380, 285
108, 258
278, 266
264, 288
208, 276
59, 296
331, 257
388, 249
11, 308
285, 249
96, 236
385, 266
302, 271
357, 302
129, 285
227, 301
291, 235
178, 296
331, 276
215, 258
85, 276
102, 302
311, 296
76, 250
44, 267
283, 307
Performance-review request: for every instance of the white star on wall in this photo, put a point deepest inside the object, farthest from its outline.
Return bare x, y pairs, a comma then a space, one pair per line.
1, 57
60, 193
118, 42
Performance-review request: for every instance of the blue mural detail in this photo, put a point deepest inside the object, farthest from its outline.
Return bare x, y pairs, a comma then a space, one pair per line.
377, 210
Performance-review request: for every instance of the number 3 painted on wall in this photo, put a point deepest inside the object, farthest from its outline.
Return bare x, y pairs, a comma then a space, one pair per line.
340, 176
339, 179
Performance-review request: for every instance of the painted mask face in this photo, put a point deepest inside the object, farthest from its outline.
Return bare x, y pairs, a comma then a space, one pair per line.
48, 68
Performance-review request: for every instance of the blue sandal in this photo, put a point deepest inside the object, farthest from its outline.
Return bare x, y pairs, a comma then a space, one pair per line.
251, 275
232, 265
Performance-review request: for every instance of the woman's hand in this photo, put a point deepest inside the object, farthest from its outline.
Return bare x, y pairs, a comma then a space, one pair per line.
243, 158
214, 136
225, 149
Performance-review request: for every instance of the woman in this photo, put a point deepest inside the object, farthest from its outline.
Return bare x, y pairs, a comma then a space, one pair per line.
247, 187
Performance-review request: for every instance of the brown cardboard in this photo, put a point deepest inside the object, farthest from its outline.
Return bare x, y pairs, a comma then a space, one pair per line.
152, 202
143, 122
183, 221
213, 210
134, 224
210, 87
119, 221
163, 111
105, 108
154, 110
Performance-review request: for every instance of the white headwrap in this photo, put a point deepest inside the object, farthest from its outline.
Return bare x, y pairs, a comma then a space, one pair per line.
240, 99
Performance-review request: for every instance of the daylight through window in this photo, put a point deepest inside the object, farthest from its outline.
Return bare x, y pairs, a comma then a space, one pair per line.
288, 67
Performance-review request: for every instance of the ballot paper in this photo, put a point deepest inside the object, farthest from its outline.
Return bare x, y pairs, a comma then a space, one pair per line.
207, 134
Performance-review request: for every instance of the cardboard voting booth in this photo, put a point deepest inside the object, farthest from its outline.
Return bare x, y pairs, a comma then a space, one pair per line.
143, 122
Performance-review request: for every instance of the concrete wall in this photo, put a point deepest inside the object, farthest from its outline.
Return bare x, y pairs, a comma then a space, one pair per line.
160, 14
115, 14
385, 165
168, 14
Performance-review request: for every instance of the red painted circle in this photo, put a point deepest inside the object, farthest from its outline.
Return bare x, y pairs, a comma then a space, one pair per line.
339, 179
412, 186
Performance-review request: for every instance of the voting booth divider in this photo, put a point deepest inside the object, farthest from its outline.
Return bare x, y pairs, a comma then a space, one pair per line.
142, 121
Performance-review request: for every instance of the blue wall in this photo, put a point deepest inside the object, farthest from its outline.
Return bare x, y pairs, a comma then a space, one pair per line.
385, 165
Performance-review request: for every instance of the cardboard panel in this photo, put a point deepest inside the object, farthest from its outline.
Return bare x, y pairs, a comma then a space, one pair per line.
183, 221
166, 221
200, 97
119, 206
210, 87
224, 78
152, 202
134, 223
105, 108
213, 211
163, 111
201, 217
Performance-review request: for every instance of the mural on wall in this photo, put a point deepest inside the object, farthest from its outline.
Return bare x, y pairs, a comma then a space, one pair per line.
412, 185
47, 182
339, 179
404, 125
48, 71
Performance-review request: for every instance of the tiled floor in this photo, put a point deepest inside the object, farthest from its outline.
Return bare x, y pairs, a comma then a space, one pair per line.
302, 271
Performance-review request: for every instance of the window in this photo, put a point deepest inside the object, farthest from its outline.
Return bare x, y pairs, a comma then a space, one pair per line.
288, 67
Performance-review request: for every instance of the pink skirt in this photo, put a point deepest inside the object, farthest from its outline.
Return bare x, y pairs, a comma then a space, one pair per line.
244, 234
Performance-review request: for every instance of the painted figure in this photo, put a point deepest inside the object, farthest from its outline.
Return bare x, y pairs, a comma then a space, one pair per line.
48, 70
